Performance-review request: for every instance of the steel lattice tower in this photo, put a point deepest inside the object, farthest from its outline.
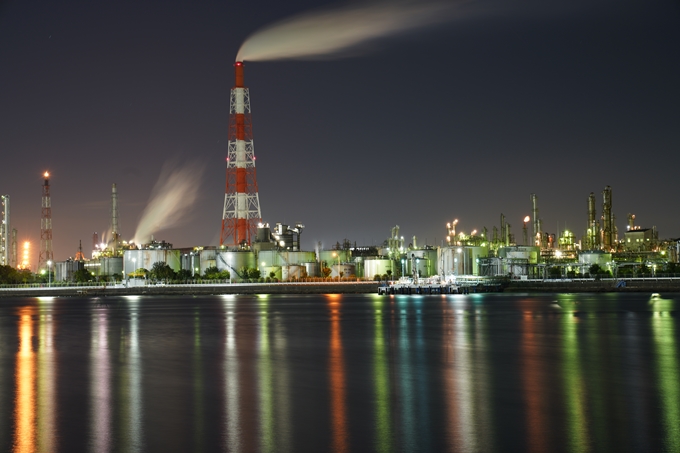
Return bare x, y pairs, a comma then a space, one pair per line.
241, 212
45, 226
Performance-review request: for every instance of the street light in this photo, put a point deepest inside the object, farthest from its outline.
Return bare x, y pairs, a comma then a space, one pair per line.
49, 273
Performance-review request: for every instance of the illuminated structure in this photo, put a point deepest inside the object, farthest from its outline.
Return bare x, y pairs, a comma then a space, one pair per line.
45, 226
80, 256
5, 231
608, 222
115, 233
241, 213
538, 234
25, 257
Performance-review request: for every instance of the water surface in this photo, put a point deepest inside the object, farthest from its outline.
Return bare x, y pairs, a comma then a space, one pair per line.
477, 373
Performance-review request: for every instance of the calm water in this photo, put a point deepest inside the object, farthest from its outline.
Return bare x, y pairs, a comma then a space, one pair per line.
341, 373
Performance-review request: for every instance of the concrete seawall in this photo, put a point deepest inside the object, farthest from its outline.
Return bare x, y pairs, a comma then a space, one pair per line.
167, 290
594, 286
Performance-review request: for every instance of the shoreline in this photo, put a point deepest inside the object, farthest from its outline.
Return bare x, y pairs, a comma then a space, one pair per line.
513, 286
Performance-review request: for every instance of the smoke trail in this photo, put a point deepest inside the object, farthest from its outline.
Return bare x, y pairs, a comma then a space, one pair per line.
173, 194
333, 31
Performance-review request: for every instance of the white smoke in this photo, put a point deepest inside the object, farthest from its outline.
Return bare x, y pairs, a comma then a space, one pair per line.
171, 198
330, 32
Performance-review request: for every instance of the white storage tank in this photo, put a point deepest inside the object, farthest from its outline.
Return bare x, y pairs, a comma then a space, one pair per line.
378, 266
347, 270
293, 272
145, 259
234, 262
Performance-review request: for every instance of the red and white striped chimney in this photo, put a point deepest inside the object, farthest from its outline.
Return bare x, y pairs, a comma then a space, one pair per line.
241, 213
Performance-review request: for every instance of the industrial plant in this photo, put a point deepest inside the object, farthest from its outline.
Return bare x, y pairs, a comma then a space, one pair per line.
251, 249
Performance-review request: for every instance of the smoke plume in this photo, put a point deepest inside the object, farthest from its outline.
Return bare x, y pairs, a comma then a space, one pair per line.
335, 32
171, 198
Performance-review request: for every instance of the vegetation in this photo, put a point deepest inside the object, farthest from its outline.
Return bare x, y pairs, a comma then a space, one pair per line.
162, 271
11, 276
83, 276
213, 273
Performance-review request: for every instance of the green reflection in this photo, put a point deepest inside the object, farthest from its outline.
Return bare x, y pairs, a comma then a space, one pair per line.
231, 379
577, 420
265, 382
408, 423
663, 328
198, 385
382, 387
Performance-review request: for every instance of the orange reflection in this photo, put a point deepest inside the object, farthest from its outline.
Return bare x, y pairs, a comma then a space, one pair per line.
24, 410
336, 372
532, 385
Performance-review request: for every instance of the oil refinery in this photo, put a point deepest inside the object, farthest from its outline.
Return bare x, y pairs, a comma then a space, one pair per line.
251, 249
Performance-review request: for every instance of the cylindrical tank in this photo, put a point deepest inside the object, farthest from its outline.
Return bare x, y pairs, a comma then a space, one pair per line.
267, 271
146, 258
208, 259
283, 257
292, 271
334, 256
263, 234
313, 269
595, 257
234, 262
111, 265
463, 260
347, 270
373, 267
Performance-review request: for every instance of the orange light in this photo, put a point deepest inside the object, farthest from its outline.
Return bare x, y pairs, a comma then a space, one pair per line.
47, 175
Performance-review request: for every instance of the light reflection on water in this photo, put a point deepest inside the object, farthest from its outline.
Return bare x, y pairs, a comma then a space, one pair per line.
566, 373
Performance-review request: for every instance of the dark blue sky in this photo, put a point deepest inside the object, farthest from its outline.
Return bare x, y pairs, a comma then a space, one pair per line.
464, 120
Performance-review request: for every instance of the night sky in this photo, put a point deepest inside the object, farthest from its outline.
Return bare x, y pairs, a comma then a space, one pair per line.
460, 120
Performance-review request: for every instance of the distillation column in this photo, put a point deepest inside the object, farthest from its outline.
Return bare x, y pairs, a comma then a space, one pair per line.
5, 231
607, 223
538, 236
45, 226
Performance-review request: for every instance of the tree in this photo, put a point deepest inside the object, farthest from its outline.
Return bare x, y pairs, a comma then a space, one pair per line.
184, 274
162, 271
254, 273
82, 276
326, 271
595, 270
389, 274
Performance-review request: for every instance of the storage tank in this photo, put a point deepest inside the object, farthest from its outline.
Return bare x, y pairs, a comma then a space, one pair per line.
293, 272
347, 269
235, 261
595, 257
461, 260
266, 271
283, 257
334, 256
208, 259
378, 266
145, 259
111, 265
313, 269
